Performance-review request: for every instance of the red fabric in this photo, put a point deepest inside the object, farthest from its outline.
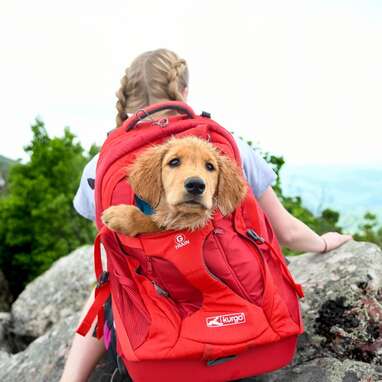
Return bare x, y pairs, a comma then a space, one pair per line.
102, 292
94, 310
188, 297
258, 360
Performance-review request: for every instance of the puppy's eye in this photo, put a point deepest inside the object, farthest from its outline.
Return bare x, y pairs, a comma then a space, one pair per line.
174, 162
210, 166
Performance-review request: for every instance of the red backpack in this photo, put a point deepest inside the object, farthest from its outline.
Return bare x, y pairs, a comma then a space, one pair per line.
215, 304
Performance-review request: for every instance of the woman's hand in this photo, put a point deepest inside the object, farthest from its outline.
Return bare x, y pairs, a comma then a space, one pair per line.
332, 240
292, 232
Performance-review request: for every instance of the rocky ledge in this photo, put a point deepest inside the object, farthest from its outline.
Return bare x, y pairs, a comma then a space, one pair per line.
342, 312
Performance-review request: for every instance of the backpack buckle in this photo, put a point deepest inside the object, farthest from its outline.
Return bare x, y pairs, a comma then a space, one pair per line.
103, 278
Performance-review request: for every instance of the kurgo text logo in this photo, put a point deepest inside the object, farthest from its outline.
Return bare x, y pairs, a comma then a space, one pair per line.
225, 320
181, 241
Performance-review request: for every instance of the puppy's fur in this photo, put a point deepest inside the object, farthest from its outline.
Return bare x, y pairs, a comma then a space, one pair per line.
185, 180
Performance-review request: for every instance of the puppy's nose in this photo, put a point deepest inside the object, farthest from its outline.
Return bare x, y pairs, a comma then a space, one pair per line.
194, 185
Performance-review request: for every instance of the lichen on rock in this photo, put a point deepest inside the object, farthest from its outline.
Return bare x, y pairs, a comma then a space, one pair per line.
342, 304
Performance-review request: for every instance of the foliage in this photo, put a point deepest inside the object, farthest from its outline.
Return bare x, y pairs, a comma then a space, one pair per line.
37, 221
370, 230
327, 221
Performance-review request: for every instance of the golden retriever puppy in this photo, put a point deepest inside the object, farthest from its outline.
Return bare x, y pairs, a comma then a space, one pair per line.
184, 180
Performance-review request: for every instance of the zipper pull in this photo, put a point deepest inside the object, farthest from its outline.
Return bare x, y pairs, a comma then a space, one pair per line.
149, 266
160, 290
253, 235
219, 231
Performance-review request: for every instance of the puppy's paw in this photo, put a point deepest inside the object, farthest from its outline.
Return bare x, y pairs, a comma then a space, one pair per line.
123, 219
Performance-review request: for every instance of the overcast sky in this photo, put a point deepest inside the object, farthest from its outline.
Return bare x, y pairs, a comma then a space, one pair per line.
301, 78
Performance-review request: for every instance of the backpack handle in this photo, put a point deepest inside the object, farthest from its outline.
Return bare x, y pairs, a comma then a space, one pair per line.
178, 106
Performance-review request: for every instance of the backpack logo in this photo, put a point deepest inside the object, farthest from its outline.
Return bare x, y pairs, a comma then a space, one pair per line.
181, 241
225, 320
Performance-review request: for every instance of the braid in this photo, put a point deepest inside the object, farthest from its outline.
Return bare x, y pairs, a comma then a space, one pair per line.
174, 74
154, 76
122, 101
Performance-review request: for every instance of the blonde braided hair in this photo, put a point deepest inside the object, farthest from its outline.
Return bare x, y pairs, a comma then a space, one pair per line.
122, 101
154, 76
174, 77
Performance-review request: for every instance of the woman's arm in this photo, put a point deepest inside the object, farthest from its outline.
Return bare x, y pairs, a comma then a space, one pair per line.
292, 232
84, 353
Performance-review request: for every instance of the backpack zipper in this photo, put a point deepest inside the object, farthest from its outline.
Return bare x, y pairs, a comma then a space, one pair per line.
150, 275
257, 239
159, 289
149, 266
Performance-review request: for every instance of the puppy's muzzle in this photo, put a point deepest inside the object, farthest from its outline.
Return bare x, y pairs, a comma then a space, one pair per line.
194, 186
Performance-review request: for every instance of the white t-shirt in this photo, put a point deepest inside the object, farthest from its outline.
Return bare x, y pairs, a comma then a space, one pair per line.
256, 170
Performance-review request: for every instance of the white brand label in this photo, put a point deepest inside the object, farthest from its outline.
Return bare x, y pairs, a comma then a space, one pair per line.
181, 241
225, 320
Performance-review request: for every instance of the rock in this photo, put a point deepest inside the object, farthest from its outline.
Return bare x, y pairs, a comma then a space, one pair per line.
342, 315
55, 295
44, 358
326, 370
5, 320
342, 308
5, 295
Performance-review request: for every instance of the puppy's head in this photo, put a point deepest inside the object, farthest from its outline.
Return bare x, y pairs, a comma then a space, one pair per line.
189, 175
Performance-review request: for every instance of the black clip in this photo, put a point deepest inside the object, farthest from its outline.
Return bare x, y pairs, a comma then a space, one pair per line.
253, 235
205, 114
103, 278
221, 360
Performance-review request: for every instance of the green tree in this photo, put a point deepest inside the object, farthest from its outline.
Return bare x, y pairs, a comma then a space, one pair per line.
327, 221
370, 230
37, 221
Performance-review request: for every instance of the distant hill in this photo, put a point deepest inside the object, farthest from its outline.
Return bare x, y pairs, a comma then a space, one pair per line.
5, 163
350, 190
4, 167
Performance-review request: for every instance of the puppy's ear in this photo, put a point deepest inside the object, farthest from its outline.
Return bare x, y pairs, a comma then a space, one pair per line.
231, 187
145, 174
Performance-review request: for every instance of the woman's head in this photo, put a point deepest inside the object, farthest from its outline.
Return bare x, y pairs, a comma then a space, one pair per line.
154, 76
